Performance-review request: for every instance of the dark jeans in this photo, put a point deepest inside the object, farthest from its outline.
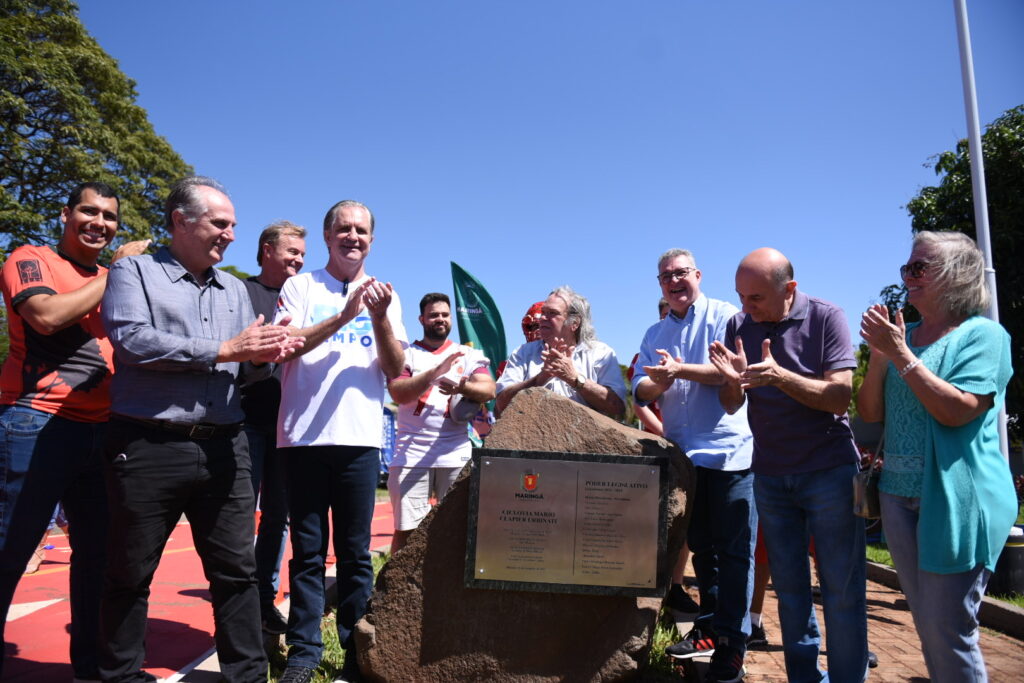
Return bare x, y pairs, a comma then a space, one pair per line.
45, 459
269, 480
344, 479
721, 538
154, 477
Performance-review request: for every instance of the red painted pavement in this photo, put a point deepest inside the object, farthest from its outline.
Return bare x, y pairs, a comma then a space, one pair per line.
180, 627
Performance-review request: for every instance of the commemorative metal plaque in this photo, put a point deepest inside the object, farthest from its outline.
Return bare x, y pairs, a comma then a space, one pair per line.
567, 522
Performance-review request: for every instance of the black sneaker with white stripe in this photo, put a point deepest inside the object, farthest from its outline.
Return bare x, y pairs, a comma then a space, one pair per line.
696, 643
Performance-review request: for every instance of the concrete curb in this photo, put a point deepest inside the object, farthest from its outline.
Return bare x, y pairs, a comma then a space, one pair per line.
994, 614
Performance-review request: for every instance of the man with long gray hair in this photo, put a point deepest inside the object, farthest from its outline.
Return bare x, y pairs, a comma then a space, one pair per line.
567, 359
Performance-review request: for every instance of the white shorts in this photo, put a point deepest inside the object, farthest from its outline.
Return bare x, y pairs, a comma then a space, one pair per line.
409, 489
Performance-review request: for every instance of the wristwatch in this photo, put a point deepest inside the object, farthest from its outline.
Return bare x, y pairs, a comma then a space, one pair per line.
579, 382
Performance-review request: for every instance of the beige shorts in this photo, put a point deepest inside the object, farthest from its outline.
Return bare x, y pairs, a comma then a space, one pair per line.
410, 487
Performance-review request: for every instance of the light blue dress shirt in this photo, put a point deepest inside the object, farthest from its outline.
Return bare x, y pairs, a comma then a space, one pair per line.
691, 413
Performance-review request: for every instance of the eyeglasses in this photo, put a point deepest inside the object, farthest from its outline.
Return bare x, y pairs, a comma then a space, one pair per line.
913, 270
669, 276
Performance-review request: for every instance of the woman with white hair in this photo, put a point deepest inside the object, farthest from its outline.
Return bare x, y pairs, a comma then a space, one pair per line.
947, 494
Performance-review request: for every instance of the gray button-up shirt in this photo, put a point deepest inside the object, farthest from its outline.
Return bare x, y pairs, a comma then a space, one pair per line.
166, 330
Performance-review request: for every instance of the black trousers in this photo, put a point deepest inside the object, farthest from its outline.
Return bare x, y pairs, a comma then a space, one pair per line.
153, 477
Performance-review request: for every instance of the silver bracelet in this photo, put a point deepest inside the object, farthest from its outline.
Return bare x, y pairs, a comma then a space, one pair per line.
909, 367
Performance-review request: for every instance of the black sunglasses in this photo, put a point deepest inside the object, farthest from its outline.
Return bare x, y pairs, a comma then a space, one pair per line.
913, 270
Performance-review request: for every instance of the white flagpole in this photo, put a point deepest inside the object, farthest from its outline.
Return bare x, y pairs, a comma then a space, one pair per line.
977, 161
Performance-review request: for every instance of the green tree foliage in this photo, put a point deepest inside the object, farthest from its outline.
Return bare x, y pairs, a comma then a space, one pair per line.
240, 274
68, 115
950, 206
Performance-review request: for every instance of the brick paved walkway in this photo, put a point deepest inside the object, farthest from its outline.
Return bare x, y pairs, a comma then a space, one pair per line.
892, 637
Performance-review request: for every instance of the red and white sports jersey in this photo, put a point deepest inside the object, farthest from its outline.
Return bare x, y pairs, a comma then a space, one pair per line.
427, 437
66, 373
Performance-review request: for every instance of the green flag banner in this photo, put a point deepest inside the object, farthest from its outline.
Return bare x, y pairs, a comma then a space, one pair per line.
478, 317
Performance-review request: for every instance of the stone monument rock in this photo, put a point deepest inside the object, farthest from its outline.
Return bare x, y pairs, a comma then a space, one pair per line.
423, 624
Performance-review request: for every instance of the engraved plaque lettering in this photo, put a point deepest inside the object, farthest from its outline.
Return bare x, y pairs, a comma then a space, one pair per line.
566, 522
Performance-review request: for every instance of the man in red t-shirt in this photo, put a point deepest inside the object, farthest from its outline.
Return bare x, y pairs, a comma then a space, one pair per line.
53, 406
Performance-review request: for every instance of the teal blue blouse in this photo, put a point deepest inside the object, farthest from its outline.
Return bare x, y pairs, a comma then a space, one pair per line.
968, 502
905, 425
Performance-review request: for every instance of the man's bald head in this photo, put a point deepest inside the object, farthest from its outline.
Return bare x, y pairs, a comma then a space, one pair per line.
764, 281
769, 262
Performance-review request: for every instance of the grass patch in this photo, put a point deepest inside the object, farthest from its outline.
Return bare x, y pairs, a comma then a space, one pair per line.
879, 553
330, 663
660, 667
1016, 599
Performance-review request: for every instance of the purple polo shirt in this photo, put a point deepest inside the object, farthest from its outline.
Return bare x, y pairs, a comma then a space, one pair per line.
789, 437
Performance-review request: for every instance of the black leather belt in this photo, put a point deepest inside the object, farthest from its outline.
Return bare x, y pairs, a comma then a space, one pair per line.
199, 431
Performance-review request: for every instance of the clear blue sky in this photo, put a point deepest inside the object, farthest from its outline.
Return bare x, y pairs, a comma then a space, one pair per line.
540, 143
